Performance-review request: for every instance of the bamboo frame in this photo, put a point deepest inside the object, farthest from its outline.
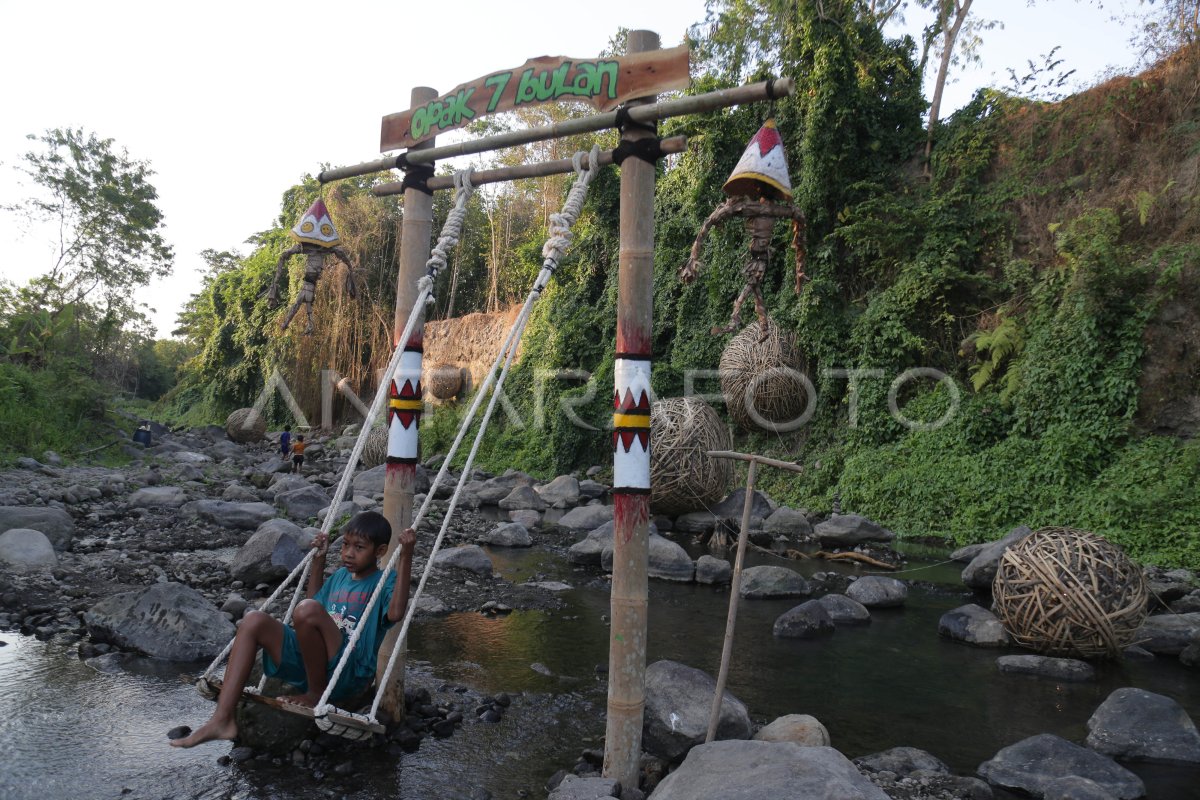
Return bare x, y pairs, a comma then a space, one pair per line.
399, 479
672, 144
645, 114
631, 510
714, 717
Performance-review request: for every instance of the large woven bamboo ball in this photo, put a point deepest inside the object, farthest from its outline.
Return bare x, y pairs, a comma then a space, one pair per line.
374, 452
1068, 592
763, 381
245, 426
682, 476
444, 381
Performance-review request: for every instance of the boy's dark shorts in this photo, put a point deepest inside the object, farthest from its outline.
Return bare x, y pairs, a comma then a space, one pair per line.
298, 460
291, 667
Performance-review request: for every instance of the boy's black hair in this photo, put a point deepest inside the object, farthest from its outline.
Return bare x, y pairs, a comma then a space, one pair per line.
287, 427
370, 525
300, 437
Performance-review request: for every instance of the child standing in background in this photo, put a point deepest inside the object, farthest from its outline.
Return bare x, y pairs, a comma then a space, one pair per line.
298, 454
285, 441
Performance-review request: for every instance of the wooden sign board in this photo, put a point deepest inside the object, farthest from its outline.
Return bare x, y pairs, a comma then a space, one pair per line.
603, 82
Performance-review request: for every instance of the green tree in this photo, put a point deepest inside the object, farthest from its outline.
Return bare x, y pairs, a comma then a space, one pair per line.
109, 225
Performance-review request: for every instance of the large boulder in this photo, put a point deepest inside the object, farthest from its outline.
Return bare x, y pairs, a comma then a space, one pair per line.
713, 570
981, 571
974, 625
245, 516
522, 497
844, 611
303, 503
848, 530
469, 557
1168, 634
168, 620
55, 523
734, 770
511, 534
734, 504
789, 522
1032, 765
773, 581
877, 591
808, 620
589, 550
562, 492
25, 549
678, 704
799, 728
667, 560
271, 552
584, 518
1136, 725
573, 787
370, 481
157, 497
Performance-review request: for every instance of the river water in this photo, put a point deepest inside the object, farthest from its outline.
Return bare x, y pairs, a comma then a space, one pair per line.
70, 730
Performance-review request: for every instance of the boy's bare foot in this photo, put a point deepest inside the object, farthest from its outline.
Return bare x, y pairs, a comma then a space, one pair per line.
308, 699
209, 731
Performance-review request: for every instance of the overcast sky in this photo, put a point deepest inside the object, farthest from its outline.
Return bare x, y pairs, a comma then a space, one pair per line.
232, 103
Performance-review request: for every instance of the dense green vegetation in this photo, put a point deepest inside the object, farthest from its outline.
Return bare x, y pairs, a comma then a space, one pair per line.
1030, 260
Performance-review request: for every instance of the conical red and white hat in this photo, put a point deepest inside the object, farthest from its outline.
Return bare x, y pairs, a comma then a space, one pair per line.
316, 226
763, 167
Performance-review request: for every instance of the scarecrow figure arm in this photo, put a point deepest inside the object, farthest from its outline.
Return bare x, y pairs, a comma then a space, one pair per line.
273, 291
727, 210
351, 289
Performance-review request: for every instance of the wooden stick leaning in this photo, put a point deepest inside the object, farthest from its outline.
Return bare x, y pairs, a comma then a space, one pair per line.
735, 585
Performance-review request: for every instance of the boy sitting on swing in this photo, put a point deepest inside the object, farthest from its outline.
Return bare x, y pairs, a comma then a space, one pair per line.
306, 653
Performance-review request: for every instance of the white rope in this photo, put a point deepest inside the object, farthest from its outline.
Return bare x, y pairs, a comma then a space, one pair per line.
451, 232
553, 250
572, 208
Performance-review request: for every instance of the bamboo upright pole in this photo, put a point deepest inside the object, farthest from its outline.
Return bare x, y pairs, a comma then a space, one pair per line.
735, 585
404, 398
631, 458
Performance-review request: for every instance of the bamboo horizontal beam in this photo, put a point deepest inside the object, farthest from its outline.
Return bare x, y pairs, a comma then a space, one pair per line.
644, 114
673, 144
770, 462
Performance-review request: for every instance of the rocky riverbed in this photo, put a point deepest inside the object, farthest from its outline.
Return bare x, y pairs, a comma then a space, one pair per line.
198, 519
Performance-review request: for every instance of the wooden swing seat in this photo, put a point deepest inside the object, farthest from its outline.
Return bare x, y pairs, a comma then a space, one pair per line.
336, 722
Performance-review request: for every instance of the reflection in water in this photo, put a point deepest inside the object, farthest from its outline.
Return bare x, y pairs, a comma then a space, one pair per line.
67, 730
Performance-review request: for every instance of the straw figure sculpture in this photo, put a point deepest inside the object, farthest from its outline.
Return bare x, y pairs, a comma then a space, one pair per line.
245, 426
444, 381
1068, 592
374, 452
682, 476
761, 378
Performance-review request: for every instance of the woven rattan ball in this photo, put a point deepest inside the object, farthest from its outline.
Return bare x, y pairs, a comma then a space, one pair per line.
762, 381
444, 381
1067, 592
245, 426
682, 476
374, 452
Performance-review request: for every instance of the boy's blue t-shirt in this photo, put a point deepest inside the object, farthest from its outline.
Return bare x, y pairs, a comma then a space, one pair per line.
285, 441
345, 598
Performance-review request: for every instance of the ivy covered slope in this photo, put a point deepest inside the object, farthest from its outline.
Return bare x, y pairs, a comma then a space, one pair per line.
1047, 264
1046, 259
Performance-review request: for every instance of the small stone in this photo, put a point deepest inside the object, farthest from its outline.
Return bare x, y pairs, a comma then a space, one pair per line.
179, 732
